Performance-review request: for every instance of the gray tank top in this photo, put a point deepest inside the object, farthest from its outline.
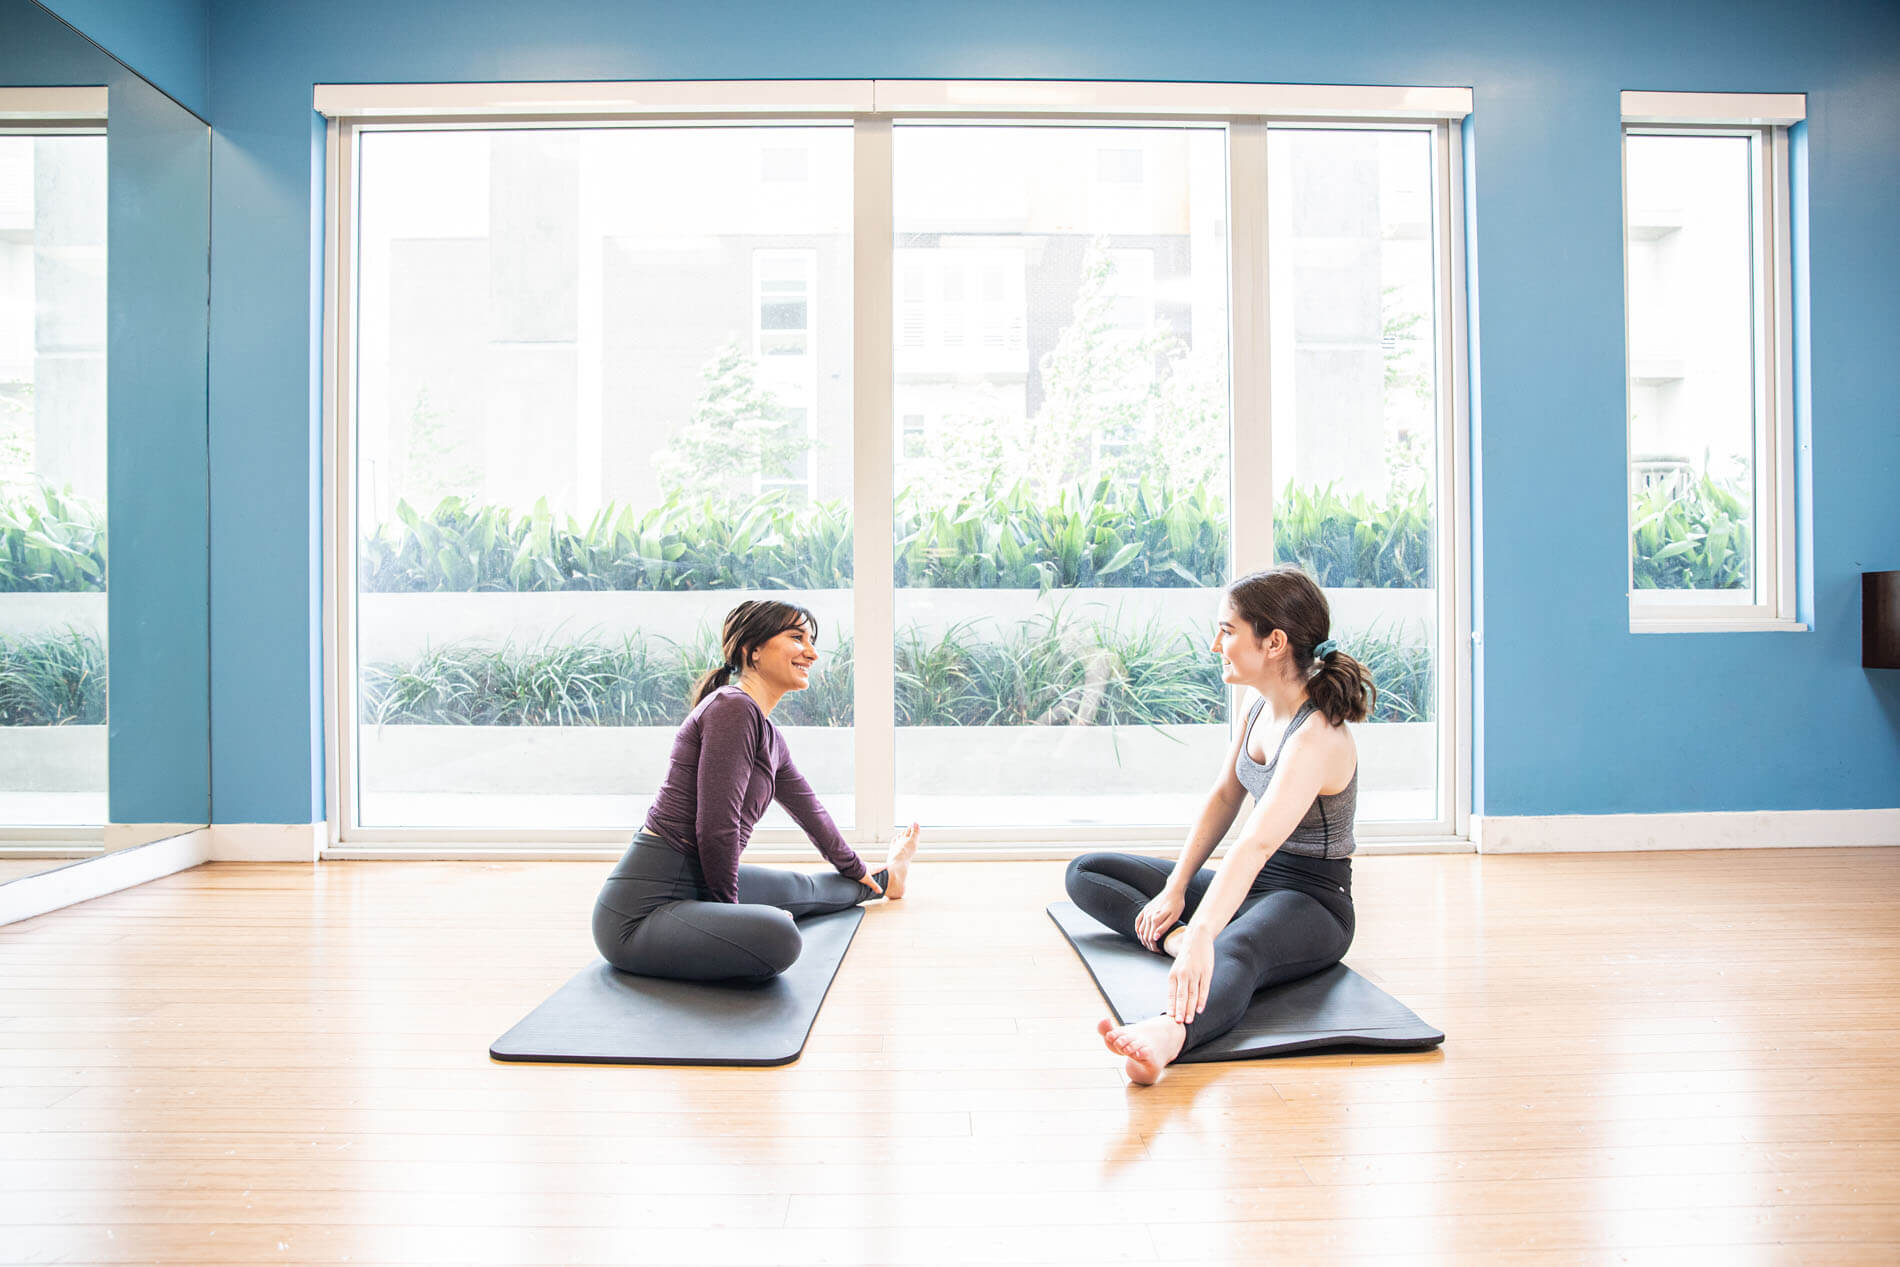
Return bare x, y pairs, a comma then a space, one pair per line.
1326, 831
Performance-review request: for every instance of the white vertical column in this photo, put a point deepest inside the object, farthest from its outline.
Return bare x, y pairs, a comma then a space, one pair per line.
1251, 508
1453, 649
873, 596
339, 479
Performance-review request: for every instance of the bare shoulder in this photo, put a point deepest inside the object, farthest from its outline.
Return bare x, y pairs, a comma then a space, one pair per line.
1328, 745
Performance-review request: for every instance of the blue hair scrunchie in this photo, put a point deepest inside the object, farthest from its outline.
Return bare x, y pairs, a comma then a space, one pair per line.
1325, 649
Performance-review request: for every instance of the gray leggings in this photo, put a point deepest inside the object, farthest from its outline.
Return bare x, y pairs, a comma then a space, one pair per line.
656, 917
1296, 920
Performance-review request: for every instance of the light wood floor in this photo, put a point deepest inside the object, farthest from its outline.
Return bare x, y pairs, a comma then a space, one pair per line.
1653, 1058
20, 868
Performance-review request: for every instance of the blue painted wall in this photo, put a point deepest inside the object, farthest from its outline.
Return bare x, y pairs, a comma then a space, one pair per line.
157, 287
1579, 715
166, 41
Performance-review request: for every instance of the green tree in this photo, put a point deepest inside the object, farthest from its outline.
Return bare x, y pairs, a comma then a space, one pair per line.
1117, 403
440, 463
738, 432
1125, 403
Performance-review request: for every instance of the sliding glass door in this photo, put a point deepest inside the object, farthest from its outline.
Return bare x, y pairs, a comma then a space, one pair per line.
602, 394
1062, 476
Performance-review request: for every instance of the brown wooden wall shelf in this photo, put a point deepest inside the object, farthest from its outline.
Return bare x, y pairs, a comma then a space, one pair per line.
1880, 620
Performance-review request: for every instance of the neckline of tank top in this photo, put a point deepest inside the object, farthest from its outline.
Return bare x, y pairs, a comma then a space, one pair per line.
1253, 715
1307, 707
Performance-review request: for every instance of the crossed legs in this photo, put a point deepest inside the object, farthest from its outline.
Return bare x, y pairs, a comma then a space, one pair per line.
1277, 935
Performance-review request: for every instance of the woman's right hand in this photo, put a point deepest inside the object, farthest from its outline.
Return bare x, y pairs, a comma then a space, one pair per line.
1158, 917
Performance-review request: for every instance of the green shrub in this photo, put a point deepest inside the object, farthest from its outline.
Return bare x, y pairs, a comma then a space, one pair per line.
52, 680
1091, 536
675, 546
51, 542
1353, 542
1699, 540
1050, 670
1401, 670
543, 684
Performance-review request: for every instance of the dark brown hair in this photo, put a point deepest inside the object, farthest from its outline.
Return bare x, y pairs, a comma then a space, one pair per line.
748, 627
1287, 599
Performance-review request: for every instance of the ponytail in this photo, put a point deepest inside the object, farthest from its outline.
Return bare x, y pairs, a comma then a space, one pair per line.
709, 682
1341, 687
1286, 598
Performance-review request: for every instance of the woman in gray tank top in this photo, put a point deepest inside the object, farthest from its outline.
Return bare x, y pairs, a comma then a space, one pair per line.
1279, 905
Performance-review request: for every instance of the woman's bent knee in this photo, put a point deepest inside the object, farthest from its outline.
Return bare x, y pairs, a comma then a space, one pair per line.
777, 944
1076, 880
611, 930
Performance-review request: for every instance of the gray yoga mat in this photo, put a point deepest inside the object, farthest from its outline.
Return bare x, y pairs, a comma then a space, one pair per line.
605, 1017
1334, 1008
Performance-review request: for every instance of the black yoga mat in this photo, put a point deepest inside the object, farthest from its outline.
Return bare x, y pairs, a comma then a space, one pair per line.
1334, 1008
604, 1017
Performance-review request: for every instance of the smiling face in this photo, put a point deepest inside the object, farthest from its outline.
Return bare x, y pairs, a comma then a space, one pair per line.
1245, 657
784, 661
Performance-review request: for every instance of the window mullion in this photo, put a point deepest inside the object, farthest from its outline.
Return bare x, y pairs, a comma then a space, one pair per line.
1251, 506
1780, 357
873, 596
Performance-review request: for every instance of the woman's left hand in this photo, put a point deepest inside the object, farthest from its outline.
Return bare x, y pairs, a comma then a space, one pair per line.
869, 881
1191, 976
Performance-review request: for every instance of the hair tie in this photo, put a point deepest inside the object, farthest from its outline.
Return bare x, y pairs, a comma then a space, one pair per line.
1325, 649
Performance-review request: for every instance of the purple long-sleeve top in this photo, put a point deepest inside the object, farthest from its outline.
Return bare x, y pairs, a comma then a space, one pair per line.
729, 762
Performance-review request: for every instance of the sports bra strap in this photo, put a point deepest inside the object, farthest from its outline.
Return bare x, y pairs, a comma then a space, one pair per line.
1305, 710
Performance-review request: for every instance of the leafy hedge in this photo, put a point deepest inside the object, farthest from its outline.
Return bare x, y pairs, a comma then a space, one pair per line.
1089, 536
1032, 674
51, 542
1699, 539
52, 680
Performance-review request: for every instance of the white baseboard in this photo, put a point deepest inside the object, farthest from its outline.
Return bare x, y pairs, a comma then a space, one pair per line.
267, 842
108, 873
1618, 833
132, 835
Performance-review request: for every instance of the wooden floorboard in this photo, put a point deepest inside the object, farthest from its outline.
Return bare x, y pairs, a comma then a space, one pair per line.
1652, 1058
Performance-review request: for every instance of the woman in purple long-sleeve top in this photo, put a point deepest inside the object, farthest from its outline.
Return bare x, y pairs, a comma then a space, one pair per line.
680, 904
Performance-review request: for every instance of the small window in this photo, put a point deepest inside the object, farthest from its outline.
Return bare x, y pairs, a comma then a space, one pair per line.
1709, 426
784, 302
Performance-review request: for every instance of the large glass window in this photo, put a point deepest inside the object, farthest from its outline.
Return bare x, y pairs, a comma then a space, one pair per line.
1703, 446
600, 384
1062, 471
1352, 241
52, 480
603, 392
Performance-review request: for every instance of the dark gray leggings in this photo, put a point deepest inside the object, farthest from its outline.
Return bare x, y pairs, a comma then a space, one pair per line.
1296, 920
656, 917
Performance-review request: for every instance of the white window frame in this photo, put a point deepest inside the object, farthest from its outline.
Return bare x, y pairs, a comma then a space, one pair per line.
1244, 111
1763, 119
53, 112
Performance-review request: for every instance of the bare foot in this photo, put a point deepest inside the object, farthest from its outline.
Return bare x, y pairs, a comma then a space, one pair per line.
1146, 1047
897, 862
